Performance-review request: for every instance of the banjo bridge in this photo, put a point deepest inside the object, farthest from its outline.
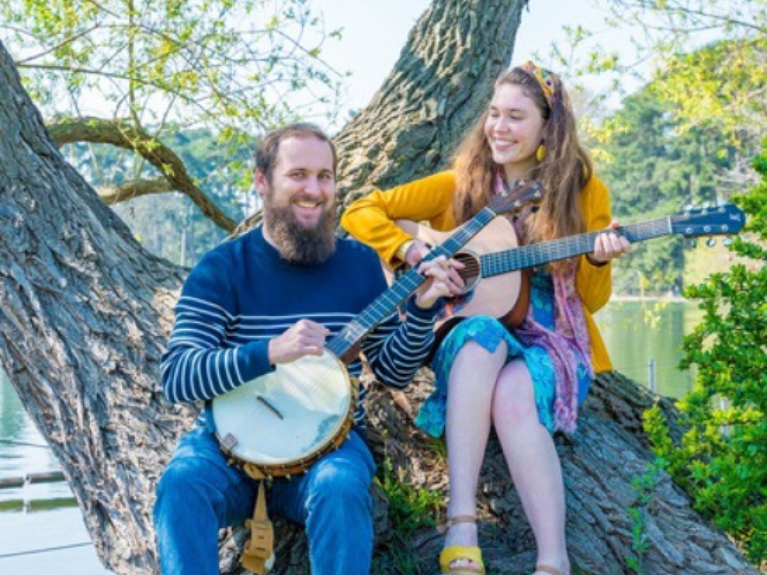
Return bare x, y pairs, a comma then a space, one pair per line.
269, 406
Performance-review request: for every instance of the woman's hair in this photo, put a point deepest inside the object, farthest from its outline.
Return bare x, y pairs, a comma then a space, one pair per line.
563, 172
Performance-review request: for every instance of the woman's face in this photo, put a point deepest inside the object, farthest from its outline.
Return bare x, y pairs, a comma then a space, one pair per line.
514, 129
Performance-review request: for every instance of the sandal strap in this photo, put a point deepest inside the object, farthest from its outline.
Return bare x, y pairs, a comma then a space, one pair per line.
547, 569
461, 519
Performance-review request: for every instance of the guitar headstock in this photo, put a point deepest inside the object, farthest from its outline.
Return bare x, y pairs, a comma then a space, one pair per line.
720, 220
524, 192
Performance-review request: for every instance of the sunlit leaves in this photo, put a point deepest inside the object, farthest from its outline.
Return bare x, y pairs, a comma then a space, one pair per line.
722, 457
172, 64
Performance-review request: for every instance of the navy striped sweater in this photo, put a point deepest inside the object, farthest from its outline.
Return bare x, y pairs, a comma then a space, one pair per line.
242, 293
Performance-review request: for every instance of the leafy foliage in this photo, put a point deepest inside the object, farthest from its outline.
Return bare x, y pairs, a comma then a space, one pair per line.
722, 458
707, 57
234, 67
654, 169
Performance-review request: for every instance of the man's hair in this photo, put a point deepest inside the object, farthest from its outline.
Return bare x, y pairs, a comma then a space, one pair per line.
268, 147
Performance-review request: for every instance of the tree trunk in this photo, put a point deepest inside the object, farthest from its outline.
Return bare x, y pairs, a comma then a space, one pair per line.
85, 313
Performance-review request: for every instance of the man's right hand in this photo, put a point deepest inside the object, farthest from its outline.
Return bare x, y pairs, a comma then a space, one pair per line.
305, 337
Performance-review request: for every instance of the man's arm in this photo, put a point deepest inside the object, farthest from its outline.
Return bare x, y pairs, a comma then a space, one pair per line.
199, 364
396, 350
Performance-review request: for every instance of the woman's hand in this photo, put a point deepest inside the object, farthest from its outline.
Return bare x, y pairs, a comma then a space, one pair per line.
608, 245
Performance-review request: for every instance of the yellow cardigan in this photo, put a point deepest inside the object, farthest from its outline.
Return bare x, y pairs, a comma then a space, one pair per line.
370, 219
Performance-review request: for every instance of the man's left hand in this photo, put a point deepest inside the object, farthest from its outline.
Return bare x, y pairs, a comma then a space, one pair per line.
442, 281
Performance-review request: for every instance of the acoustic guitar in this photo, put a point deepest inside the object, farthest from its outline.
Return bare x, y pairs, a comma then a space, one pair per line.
493, 260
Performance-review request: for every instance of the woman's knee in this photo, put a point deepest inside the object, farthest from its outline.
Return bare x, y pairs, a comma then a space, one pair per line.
514, 398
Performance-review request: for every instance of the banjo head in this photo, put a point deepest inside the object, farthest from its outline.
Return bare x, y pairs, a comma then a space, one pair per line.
285, 416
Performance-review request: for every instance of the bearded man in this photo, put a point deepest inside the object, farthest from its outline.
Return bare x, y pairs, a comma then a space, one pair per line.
267, 298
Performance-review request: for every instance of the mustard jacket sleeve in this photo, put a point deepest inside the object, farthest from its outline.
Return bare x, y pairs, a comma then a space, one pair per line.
594, 283
370, 219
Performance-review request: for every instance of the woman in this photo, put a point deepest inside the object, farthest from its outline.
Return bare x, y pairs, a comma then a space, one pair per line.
527, 382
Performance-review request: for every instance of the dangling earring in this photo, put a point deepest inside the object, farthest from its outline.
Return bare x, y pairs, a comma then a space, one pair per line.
540, 152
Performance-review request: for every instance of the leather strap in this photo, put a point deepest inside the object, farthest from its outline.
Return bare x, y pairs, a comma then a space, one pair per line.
456, 519
461, 519
258, 553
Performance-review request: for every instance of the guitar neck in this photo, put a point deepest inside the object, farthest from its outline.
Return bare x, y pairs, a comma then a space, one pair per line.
536, 254
350, 337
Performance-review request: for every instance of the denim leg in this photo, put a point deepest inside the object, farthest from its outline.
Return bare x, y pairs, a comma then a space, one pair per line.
198, 494
333, 501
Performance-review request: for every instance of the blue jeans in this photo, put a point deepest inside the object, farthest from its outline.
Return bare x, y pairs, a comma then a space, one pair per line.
199, 494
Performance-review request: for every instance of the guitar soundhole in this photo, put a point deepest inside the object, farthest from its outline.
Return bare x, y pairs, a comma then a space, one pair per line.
471, 273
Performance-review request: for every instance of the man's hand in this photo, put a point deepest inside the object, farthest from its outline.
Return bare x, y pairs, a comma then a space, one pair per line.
608, 245
302, 338
442, 281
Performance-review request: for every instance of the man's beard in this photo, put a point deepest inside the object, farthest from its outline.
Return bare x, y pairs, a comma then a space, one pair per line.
296, 243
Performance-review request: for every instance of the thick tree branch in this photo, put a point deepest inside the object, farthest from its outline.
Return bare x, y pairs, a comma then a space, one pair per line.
123, 135
131, 189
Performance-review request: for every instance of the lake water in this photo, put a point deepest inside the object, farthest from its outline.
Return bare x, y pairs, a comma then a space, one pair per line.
41, 528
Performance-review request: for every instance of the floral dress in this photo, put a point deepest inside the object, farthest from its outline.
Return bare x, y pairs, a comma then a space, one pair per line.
488, 333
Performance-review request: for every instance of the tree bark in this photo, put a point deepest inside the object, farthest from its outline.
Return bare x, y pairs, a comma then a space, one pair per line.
85, 312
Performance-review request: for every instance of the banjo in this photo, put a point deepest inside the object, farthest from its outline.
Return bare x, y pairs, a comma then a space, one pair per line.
279, 424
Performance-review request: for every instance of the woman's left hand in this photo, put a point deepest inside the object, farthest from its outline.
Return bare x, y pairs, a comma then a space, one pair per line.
609, 245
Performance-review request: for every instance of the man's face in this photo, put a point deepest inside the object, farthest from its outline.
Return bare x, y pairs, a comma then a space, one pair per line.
299, 202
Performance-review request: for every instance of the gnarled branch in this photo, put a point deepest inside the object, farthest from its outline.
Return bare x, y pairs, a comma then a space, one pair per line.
124, 135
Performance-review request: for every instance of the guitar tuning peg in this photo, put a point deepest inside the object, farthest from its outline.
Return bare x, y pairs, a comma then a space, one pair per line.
728, 241
711, 242
693, 243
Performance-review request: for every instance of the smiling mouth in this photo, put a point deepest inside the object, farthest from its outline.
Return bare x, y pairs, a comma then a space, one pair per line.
307, 204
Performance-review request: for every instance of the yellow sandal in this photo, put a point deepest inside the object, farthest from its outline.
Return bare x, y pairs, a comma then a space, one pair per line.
456, 552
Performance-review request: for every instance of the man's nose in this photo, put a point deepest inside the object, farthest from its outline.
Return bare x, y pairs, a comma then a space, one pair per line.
312, 185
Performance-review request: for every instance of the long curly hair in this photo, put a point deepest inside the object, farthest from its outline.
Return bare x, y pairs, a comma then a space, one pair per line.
563, 172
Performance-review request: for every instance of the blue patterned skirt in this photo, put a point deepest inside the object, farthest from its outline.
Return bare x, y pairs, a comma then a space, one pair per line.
489, 333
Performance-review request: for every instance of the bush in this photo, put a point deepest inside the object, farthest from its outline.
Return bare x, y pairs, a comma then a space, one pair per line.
721, 460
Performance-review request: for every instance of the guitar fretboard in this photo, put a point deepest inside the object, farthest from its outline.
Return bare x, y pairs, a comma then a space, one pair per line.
553, 250
383, 306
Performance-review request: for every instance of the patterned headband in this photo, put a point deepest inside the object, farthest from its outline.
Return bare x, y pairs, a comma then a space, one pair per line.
545, 79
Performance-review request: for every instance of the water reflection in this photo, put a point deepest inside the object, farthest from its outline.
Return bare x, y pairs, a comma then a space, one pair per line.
41, 526
637, 333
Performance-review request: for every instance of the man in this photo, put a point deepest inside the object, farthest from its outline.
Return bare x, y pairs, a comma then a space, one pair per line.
267, 298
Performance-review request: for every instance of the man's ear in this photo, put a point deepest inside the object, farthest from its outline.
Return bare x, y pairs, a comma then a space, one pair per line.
259, 181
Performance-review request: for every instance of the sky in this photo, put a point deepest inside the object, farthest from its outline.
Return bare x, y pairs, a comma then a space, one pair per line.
375, 31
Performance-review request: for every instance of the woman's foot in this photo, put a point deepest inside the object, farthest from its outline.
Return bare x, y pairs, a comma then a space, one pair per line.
462, 533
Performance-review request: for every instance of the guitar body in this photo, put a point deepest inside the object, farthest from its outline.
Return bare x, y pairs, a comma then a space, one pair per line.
505, 297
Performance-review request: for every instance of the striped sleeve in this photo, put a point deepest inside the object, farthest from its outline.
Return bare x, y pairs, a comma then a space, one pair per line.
198, 363
397, 350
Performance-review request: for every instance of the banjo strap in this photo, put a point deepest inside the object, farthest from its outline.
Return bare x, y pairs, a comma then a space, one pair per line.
258, 554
